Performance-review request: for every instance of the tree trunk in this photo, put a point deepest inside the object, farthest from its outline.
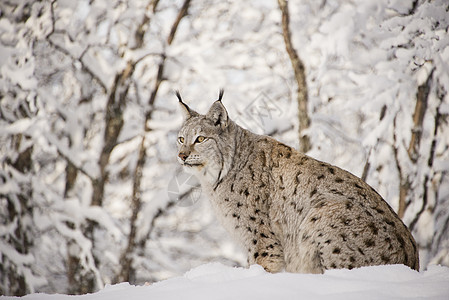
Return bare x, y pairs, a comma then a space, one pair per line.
19, 209
300, 76
422, 96
127, 270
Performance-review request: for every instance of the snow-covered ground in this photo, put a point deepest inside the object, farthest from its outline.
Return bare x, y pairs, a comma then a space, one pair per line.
217, 281
366, 62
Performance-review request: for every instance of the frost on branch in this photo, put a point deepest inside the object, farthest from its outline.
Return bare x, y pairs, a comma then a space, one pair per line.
89, 123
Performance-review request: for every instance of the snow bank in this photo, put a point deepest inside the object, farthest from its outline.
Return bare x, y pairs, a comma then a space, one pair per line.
216, 281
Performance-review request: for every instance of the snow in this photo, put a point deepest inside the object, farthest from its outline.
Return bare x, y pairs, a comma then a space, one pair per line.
364, 62
217, 281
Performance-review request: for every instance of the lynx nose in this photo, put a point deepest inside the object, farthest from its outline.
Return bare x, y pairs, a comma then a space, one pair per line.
183, 156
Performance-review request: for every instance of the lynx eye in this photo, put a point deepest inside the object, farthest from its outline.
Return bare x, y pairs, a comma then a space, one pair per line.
181, 140
200, 139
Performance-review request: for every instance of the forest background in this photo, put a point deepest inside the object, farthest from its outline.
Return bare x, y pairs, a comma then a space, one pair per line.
90, 190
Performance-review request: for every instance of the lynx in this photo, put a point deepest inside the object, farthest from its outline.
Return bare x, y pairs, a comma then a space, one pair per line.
289, 211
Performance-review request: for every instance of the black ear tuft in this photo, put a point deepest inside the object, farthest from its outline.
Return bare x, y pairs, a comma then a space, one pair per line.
187, 112
179, 96
220, 94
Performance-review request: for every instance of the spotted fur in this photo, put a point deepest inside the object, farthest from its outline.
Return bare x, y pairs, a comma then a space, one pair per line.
289, 211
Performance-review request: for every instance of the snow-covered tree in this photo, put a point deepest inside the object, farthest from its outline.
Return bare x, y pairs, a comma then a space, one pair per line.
378, 82
17, 159
89, 120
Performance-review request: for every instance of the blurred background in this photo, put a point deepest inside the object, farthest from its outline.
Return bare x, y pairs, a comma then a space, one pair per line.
90, 190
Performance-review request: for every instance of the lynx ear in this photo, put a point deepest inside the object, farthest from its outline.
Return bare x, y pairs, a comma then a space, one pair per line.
217, 113
186, 111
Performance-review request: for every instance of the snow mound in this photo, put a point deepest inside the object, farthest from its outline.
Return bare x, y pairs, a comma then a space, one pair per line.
216, 281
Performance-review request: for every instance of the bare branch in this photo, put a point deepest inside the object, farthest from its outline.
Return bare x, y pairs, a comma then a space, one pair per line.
300, 76
181, 14
127, 269
413, 150
76, 166
136, 204
366, 167
143, 27
159, 78
430, 160
418, 117
67, 53
404, 183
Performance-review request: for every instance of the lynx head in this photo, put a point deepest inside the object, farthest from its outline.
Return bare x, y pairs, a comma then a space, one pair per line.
205, 144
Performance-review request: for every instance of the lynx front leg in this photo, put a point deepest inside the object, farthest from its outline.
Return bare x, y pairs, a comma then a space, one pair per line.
266, 251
